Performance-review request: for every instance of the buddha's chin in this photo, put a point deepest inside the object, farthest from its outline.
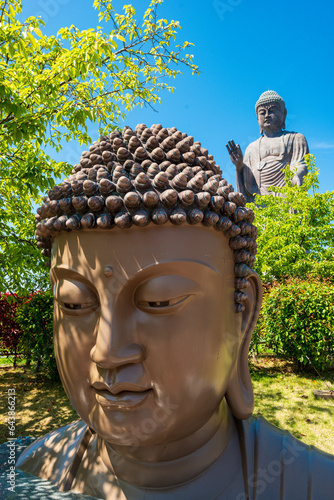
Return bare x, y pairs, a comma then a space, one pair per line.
128, 421
269, 127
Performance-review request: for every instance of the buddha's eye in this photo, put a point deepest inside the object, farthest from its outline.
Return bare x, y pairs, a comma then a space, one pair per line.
73, 306
164, 294
162, 306
163, 303
76, 308
75, 298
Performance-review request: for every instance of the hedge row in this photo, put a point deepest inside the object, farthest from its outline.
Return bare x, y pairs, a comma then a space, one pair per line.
297, 320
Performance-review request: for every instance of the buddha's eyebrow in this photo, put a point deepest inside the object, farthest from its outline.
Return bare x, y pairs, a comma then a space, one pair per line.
59, 272
62, 269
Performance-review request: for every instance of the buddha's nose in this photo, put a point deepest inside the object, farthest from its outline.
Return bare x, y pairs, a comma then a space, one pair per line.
115, 345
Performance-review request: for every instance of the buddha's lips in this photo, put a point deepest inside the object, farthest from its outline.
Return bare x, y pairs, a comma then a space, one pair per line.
120, 395
123, 400
120, 387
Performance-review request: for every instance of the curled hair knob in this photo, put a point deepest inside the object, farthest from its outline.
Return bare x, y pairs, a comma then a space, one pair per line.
195, 216
123, 220
178, 216
159, 216
141, 218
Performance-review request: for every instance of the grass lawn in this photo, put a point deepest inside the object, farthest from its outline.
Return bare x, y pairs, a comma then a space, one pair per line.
283, 397
286, 399
40, 405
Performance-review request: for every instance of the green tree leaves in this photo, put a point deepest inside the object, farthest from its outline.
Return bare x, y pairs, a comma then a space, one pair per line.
296, 230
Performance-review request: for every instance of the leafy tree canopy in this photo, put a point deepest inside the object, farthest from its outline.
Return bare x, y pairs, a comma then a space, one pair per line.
51, 87
296, 229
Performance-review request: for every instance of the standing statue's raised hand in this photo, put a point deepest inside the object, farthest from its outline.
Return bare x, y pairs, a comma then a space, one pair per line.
235, 153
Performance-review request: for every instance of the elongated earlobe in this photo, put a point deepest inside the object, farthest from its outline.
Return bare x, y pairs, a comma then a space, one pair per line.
239, 395
283, 124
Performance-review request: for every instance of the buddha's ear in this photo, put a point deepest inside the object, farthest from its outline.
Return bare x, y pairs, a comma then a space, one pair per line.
239, 395
284, 113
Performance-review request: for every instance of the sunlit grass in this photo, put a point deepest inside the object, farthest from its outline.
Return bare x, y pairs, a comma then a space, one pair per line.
9, 361
41, 406
286, 399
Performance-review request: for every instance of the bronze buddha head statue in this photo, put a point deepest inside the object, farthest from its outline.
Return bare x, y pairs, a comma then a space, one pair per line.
155, 297
155, 303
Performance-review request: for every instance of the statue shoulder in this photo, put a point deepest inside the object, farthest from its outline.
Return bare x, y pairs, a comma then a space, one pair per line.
251, 152
295, 136
54, 455
283, 461
253, 146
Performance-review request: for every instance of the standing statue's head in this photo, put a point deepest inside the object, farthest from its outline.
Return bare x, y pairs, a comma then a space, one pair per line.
155, 298
271, 112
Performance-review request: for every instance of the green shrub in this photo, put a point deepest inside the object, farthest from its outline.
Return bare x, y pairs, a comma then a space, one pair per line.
297, 320
35, 318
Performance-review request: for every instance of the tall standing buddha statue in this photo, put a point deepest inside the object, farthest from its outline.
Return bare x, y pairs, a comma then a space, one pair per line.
265, 159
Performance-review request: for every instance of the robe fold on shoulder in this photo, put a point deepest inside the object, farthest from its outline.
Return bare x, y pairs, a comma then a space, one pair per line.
280, 467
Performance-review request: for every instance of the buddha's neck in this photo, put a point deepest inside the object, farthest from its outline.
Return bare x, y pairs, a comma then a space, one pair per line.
273, 133
176, 462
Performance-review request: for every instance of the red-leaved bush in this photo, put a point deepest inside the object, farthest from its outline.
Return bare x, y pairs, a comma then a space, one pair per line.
10, 332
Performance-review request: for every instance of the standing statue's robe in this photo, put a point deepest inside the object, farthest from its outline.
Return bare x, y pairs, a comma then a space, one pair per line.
275, 466
263, 166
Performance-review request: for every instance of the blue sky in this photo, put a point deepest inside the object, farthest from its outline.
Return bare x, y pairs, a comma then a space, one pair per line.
243, 47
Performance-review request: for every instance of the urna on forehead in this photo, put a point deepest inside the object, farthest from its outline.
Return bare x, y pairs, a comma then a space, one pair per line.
150, 176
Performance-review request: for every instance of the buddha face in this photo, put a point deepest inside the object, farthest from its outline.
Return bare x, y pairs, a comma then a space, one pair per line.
270, 117
146, 336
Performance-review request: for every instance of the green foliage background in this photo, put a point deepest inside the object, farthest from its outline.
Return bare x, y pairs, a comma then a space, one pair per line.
296, 229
